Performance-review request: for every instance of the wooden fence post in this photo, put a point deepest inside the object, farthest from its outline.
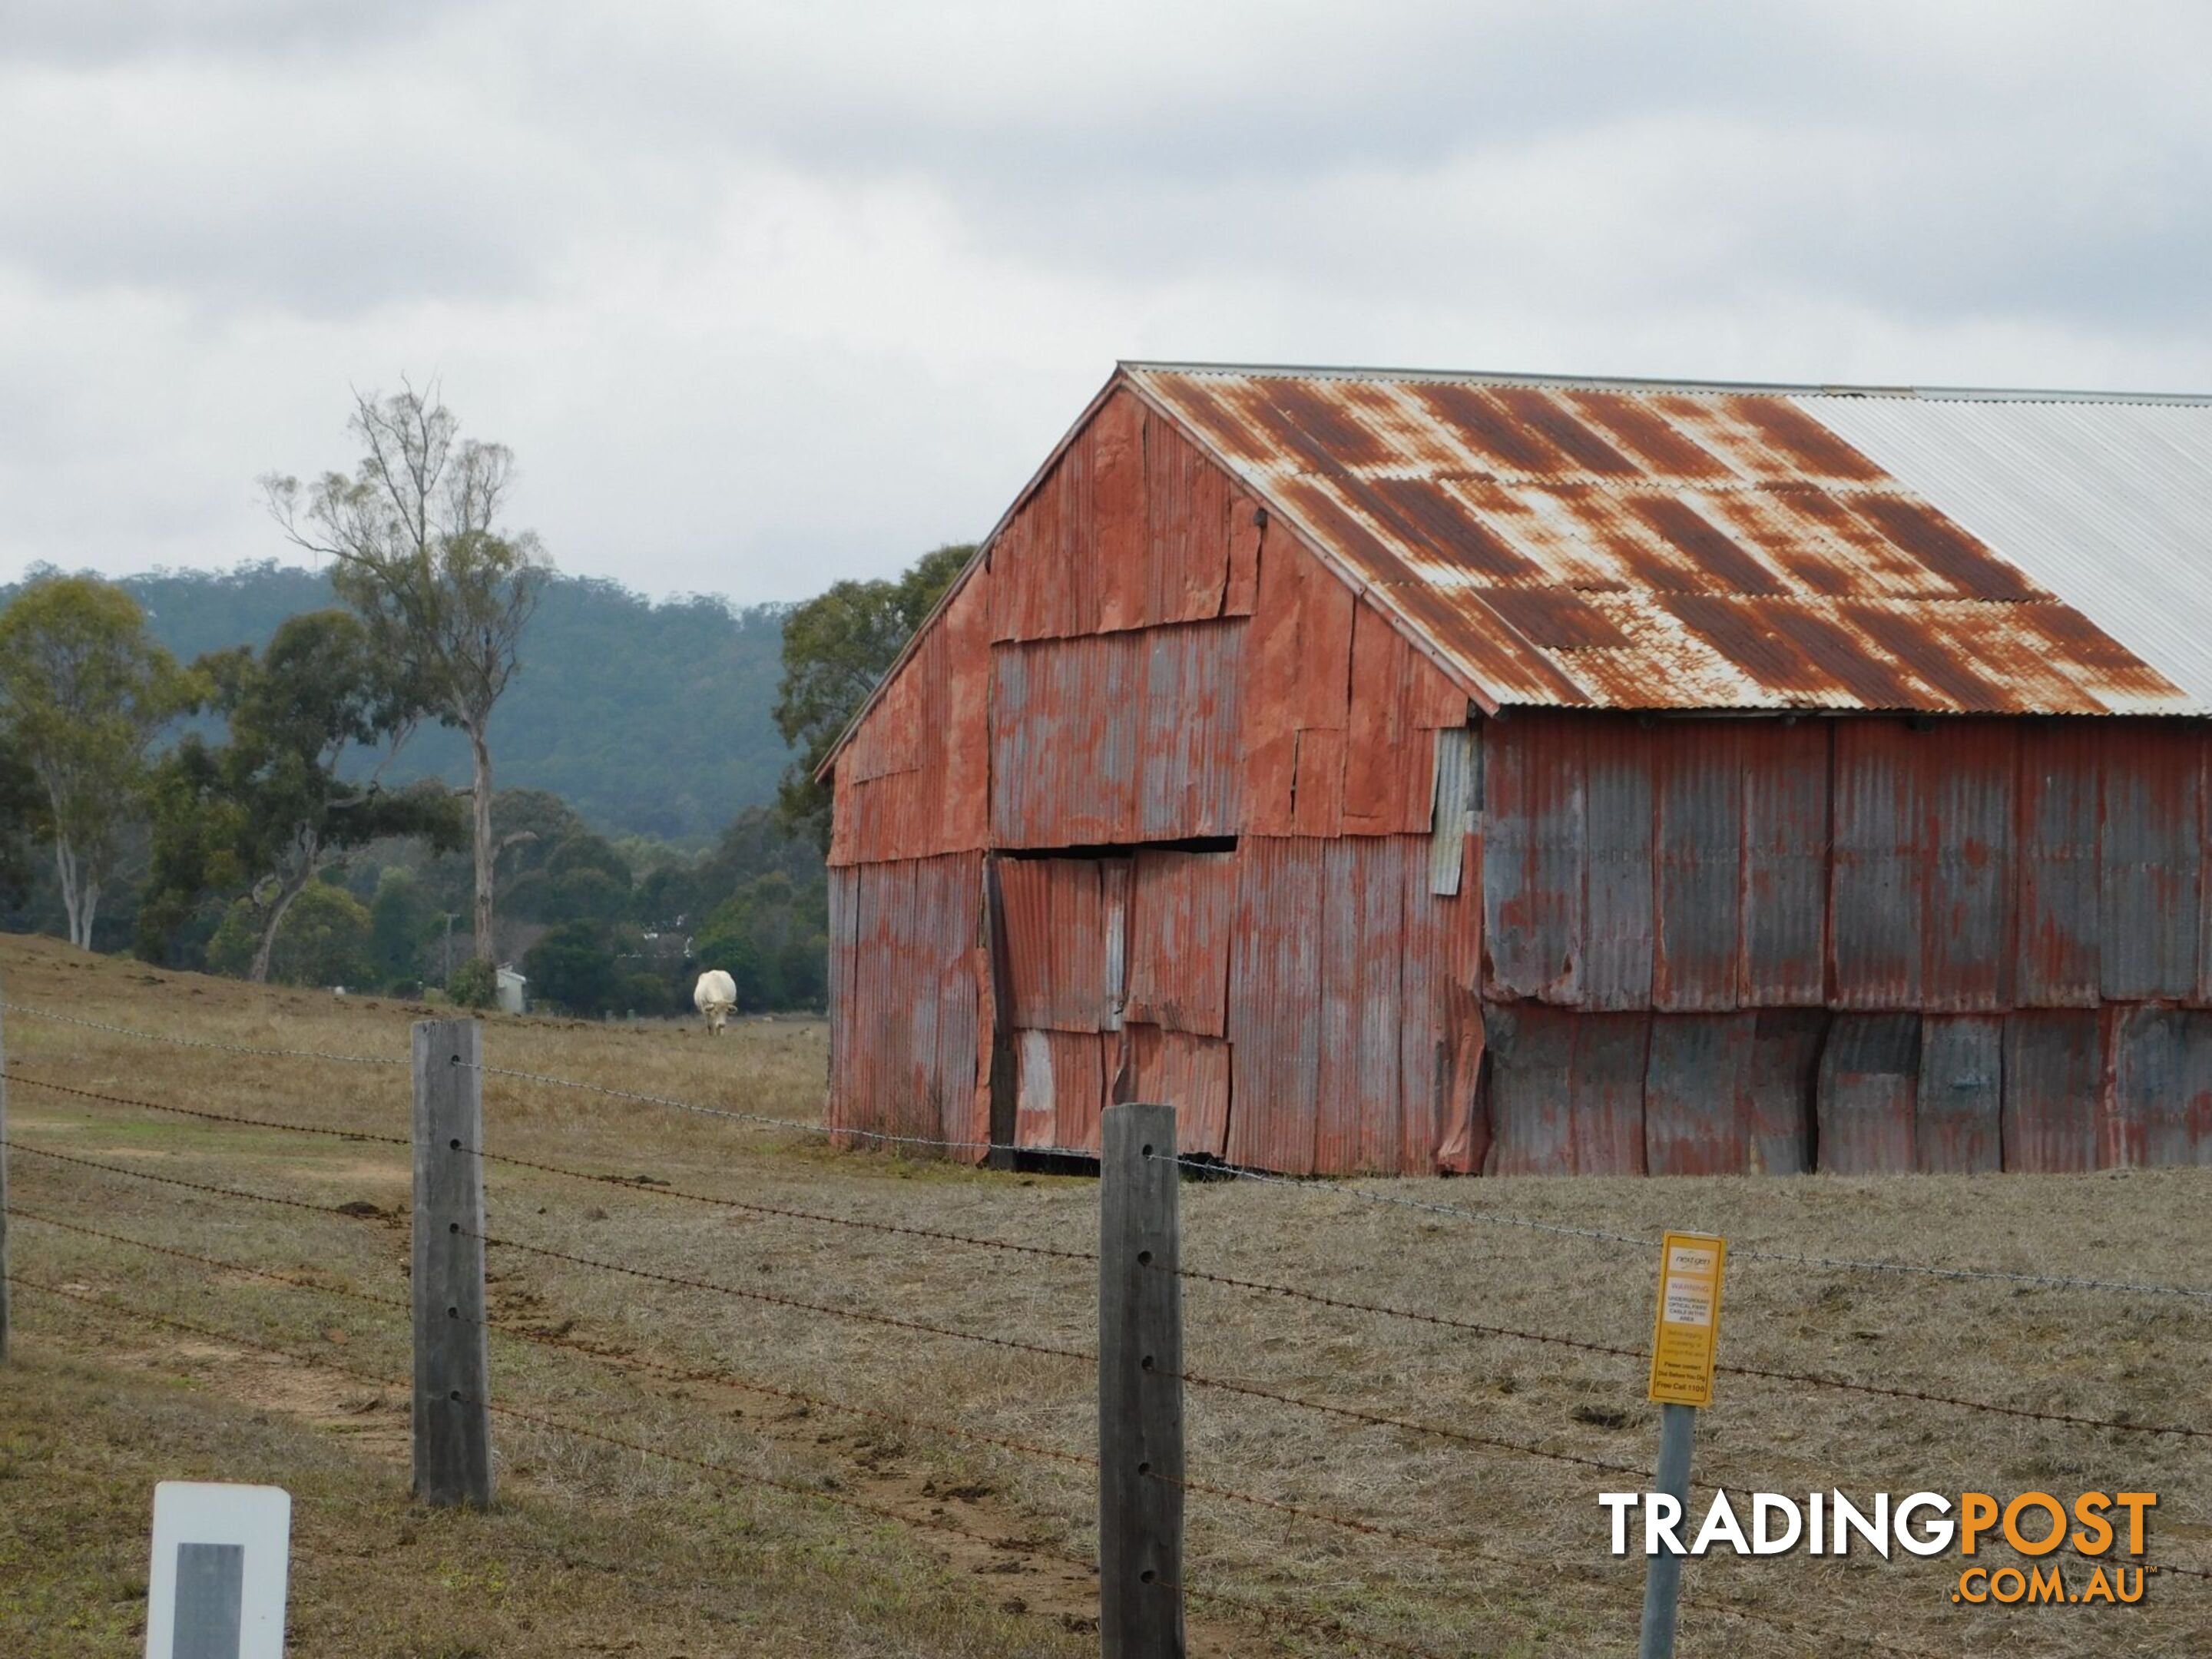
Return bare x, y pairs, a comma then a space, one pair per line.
1140, 1599
453, 1359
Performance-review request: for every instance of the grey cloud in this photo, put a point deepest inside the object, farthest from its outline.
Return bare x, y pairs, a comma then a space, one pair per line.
764, 295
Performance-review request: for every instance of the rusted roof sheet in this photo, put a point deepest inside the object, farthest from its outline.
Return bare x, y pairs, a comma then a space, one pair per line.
1638, 545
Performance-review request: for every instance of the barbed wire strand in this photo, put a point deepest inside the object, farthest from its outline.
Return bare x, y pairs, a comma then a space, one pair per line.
663, 1189
14, 1076
728, 1379
1810, 1379
297, 1284
200, 1043
884, 1512
759, 1119
774, 1300
123, 1309
192, 1186
1564, 1229
628, 1182
1207, 1166
118, 1309
1376, 1420
1318, 1623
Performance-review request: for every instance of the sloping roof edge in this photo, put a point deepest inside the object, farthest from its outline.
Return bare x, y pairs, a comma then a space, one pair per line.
1662, 383
982, 556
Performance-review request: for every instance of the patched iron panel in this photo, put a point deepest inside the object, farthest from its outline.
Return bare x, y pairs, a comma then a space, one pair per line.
1532, 1051
1617, 922
1697, 1094
2160, 1113
1274, 994
1182, 911
1186, 1071
2059, 963
1060, 1089
2054, 1084
1869, 1076
905, 1027
1567, 1091
1957, 1124
1534, 860
1700, 866
1117, 738
1785, 1068
1785, 863
1969, 768
1612, 1052
1067, 932
2152, 844
1878, 890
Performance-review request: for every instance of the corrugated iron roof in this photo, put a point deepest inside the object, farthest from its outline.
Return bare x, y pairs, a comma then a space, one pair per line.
1644, 545
2108, 505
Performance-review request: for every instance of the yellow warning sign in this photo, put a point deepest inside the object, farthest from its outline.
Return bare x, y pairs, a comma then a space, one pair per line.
1689, 1321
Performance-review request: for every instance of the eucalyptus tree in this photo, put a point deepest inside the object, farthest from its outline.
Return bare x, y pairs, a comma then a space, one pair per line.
84, 691
420, 555
269, 809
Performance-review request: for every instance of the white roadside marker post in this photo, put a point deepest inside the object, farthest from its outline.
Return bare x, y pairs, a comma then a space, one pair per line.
222, 1558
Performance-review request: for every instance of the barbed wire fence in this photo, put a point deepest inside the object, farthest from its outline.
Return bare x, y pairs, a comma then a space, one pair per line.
1138, 1461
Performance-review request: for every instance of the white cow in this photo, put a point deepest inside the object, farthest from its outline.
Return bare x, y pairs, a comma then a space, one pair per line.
714, 995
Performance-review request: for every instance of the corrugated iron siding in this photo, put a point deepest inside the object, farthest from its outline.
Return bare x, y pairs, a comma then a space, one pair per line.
2159, 1111
904, 940
1346, 1038
915, 780
1060, 1089
1685, 946
1696, 1104
1185, 1071
1133, 527
1182, 908
1117, 738
1957, 1124
1067, 928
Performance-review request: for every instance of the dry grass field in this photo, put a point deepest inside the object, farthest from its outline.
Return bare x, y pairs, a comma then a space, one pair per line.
599, 1548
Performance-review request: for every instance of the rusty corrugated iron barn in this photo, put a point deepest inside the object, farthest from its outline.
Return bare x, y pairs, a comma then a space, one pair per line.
1404, 772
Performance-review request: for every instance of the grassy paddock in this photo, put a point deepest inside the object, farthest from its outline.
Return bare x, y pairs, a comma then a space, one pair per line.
599, 1549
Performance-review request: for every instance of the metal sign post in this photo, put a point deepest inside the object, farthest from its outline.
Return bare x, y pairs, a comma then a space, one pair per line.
1684, 1334
222, 1557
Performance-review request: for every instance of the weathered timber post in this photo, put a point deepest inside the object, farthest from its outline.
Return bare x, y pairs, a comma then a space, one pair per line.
1140, 1490
6, 1314
453, 1360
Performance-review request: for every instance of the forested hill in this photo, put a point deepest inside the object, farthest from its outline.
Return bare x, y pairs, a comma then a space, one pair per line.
646, 718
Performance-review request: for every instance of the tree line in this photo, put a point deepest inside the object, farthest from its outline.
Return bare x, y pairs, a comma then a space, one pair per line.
232, 814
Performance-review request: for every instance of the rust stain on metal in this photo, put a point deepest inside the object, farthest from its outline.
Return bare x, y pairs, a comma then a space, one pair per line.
1191, 706
1828, 583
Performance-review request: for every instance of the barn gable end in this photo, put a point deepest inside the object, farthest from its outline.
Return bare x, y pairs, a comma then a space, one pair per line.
1142, 683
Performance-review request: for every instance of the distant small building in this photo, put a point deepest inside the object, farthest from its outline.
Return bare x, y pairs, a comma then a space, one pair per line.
513, 988
1405, 772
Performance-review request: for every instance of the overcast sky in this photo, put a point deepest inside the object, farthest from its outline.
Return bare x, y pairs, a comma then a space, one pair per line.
764, 295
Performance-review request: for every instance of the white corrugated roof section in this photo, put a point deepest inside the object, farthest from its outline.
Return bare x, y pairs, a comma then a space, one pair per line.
2106, 503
